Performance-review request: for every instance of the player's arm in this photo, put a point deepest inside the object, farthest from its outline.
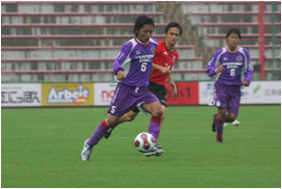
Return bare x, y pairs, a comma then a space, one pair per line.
117, 68
156, 66
249, 72
164, 70
172, 84
212, 69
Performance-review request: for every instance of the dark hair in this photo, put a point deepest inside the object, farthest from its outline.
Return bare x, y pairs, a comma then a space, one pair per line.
173, 25
233, 30
141, 21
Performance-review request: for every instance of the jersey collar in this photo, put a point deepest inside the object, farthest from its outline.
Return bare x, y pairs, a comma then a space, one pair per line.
234, 52
141, 43
168, 49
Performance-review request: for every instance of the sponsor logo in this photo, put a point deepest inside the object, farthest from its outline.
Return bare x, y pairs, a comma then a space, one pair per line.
15, 97
145, 58
153, 48
67, 96
256, 89
231, 65
209, 86
107, 96
239, 58
165, 53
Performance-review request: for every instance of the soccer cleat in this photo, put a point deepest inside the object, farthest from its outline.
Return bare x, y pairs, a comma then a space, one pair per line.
211, 103
159, 146
108, 133
236, 123
225, 124
213, 123
86, 151
219, 141
155, 152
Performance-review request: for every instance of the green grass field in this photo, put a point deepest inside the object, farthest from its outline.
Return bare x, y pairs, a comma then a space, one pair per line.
41, 149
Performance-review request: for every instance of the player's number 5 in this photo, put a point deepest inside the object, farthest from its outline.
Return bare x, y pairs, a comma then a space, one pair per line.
143, 67
113, 109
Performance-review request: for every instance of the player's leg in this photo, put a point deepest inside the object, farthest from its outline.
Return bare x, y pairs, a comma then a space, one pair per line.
232, 118
122, 103
129, 116
221, 102
97, 136
101, 129
234, 107
160, 92
219, 122
163, 116
162, 119
155, 109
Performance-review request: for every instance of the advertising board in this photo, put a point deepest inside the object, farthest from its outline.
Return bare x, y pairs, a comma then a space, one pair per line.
67, 94
103, 93
259, 92
187, 93
20, 95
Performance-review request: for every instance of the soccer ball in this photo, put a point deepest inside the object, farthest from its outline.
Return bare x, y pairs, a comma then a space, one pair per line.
144, 142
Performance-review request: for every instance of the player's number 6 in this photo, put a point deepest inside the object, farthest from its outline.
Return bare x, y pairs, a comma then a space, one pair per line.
143, 67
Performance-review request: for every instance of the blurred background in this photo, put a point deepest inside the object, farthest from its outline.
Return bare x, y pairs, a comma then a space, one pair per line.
77, 41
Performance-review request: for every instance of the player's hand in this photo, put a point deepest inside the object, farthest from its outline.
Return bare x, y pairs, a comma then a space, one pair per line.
245, 83
120, 75
219, 69
214, 76
165, 70
174, 88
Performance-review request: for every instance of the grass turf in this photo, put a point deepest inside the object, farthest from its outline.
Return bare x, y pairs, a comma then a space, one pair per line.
41, 149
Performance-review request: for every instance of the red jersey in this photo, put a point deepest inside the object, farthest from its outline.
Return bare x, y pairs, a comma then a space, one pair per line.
165, 58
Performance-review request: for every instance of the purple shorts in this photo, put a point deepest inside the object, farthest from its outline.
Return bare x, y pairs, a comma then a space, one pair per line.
227, 96
126, 97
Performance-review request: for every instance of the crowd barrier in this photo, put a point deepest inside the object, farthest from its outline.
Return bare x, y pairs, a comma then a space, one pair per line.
100, 94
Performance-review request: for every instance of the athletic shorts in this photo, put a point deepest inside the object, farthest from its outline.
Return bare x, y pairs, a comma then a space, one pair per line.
227, 96
125, 97
158, 90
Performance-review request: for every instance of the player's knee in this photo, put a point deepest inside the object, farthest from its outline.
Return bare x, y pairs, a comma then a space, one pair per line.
232, 117
156, 110
112, 122
159, 112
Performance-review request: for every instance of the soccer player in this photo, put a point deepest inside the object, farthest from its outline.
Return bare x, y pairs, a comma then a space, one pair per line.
132, 68
232, 65
165, 57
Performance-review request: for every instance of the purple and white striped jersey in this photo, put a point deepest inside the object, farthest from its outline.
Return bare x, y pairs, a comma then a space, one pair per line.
136, 60
237, 66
